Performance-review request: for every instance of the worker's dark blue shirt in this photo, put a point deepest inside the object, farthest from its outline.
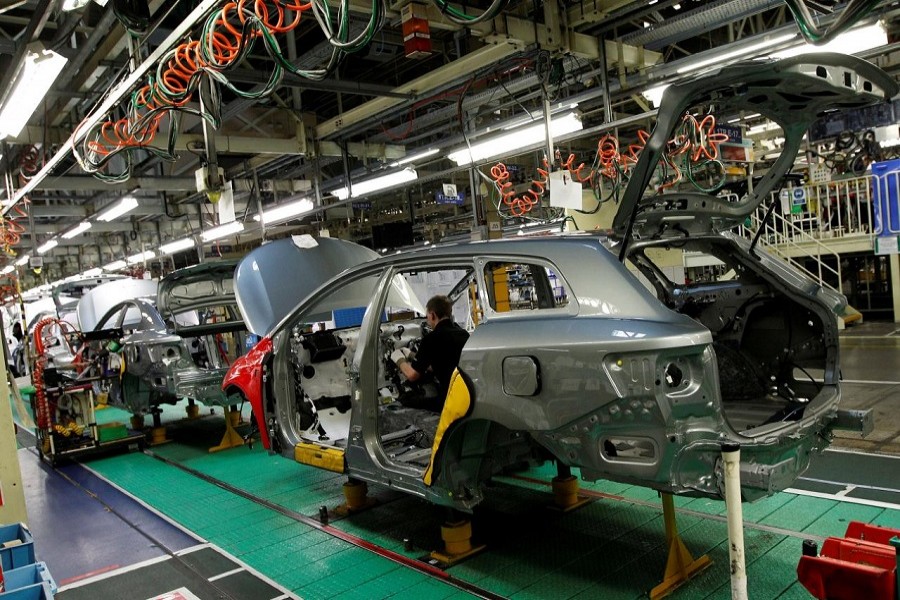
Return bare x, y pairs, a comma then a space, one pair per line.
441, 350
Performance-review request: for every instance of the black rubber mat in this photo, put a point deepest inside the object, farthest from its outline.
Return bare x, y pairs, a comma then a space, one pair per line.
201, 574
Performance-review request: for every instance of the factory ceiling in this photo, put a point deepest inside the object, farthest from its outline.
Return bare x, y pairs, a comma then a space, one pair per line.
298, 100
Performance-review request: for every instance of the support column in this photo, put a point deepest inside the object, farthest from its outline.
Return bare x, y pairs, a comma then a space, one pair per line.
895, 285
12, 495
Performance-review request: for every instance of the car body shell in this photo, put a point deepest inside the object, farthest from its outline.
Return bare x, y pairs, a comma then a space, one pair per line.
168, 354
618, 382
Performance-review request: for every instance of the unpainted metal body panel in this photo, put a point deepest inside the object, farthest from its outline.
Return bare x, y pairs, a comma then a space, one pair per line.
615, 381
270, 285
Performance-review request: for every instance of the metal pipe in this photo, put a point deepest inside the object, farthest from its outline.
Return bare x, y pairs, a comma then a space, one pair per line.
604, 82
547, 131
731, 455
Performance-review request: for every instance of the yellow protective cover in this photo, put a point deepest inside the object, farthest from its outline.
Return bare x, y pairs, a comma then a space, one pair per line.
456, 406
322, 457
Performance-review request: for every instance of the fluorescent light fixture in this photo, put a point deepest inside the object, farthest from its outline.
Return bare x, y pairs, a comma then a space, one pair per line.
36, 73
115, 265
763, 127
222, 230
849, 42
140, 257
745, 52
177, 246
23, 260
123, 206
95, 272
414, 157
47, 246
376, 184
516, 139
77, 230
8, 269
286, 211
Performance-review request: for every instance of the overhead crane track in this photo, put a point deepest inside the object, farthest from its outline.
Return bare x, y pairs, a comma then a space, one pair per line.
317, 524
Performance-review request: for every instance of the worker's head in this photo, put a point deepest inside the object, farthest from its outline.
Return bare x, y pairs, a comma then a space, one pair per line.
438, 308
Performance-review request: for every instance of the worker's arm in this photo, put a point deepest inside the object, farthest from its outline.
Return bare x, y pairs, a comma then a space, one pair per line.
402, 358
407, 370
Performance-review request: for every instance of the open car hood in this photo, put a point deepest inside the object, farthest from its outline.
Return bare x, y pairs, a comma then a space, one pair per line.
274, 278
793, 92
197, 287
97, 302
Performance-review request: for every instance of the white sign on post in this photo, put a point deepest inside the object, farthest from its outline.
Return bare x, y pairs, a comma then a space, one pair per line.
450, 190
565, 192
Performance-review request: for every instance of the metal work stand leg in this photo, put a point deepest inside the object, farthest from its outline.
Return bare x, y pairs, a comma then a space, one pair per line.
355, 498
457, 535
565, 490
231, 438
680, 566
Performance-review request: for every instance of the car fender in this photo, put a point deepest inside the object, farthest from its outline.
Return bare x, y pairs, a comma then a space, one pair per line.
246, 375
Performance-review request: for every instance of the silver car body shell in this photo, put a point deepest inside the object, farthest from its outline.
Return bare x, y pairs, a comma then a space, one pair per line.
158, 360
604, 357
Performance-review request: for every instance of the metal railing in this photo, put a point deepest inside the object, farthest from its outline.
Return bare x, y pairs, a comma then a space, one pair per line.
817, 212
845, 207
780, 233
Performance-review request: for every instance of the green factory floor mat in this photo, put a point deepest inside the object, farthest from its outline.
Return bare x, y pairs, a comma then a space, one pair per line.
614, 547
199, 573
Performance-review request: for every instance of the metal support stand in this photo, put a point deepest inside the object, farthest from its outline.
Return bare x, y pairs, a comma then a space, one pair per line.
680, 566
355, 498
158, 432
12, 507
565, 490
457, 535
232, 438
192, 410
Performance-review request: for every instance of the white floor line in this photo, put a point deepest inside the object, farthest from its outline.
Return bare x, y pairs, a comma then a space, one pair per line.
161, 515
856, 485
870, 381
860, 452
226, 574
846, 490
114, 572
193, 549
286, 592
846, 499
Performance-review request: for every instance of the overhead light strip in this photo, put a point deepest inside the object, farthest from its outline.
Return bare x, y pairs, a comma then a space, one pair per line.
115, 265
377, 184
177, 246
124, 206
47, 246
286, 211
36, 73
77, 230
516, 139
221, 231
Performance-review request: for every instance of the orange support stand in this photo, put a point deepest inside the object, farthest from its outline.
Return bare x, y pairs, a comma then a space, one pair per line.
681, 566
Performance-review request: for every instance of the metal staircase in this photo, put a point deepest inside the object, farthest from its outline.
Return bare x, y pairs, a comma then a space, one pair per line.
789, 240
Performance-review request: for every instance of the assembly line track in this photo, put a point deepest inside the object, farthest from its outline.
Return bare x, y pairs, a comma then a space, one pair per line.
317, 524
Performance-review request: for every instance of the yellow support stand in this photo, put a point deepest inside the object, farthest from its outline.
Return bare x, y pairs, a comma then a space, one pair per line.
232, 438
565, 490
681, 566
355, 498
458, 546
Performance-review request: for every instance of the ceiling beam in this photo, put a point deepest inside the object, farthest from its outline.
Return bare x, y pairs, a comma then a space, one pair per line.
465, 65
